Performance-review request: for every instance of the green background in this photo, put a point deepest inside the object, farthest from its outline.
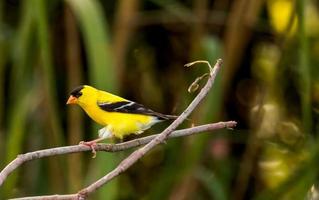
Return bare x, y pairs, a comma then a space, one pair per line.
269, 84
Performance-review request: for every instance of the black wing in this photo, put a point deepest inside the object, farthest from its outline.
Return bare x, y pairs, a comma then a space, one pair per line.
133, 108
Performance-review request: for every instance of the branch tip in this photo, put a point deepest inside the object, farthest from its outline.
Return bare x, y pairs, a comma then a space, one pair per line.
195, 85
230, 126
196, 62
220, 61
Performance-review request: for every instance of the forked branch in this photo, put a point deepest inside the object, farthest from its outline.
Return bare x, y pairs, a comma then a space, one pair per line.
150, 142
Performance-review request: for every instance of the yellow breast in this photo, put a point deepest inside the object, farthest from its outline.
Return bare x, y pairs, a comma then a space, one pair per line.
121, 124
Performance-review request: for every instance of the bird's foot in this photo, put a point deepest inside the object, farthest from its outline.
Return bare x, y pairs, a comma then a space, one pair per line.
91, 144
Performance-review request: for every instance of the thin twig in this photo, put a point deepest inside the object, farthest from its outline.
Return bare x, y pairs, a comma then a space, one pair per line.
137, 154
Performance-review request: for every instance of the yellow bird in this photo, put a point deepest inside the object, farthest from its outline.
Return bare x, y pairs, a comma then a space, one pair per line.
120, 117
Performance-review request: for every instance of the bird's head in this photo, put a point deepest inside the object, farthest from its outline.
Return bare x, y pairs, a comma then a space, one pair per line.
81, 95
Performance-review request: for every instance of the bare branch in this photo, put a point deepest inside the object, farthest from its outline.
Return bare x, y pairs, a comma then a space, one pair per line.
150, 141
22, 158
52, 197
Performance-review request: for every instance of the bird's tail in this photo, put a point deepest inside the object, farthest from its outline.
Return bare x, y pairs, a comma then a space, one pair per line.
161, 116
168, 117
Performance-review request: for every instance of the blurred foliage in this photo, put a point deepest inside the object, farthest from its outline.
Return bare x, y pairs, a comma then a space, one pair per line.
269, 84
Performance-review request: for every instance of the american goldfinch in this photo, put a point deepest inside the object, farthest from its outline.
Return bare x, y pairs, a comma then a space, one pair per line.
120, 117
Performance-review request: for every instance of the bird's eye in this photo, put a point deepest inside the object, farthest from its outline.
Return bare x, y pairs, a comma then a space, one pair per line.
77, 95
77, 92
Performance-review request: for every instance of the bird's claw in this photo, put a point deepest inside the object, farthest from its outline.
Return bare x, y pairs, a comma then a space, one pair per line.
90, 144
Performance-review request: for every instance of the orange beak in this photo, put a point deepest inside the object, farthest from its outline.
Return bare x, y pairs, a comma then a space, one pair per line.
71, 100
